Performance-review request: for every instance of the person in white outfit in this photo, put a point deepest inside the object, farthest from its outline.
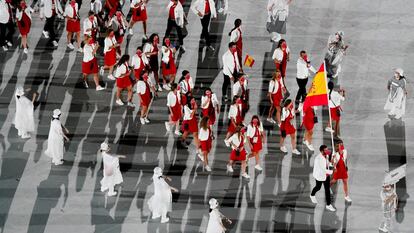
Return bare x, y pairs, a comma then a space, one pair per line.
49, 9
397, 95
57, 134
161, 202
111, 173
215, 222
278, 12
24, 119
205, 10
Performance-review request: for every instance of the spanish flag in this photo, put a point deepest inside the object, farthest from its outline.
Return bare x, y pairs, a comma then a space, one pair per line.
318, 93
249, 60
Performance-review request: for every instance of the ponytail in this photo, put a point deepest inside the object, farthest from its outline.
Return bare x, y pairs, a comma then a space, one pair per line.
237, 24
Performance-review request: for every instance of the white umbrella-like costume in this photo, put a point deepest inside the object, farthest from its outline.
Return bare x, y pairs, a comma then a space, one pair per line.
112, 174
55, 141
24, 118
160, 203
215, 224
396, 100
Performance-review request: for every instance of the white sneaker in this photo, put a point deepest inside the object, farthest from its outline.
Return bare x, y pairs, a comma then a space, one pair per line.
200, 156
329, 129
146, 120
258, 167
221, 10
25, 50
270, 120
9, 44
103, 189
25, 136
383, 229
165, 220
278, 125
304, 142
310, 147
313, 199
130, 104
100, 88
166, 87
330, 208
208, 168
142, 121
348, 199
229, 168
119, 102
154, 216
178, 133
227, 142
111, 194
167, 126
245, 175
131, 32
101, 71
70, 45
211, 48
159, 88
55, 43
5, 48
46, 34
80, 50
296, 152
111, 77
283, 149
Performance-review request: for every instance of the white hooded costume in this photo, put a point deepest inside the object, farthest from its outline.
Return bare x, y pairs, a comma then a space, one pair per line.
215, 221
112, 174
396, 100
55, 147
160, 203
24, 119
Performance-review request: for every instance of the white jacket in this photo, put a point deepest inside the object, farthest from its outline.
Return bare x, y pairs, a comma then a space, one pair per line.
4, 12
228, 63
69, 11
178, 12
320, 168
199, 6
19, 14
278, 8
46, 8
87, 24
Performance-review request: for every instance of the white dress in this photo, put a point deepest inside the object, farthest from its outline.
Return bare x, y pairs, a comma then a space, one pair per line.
24, 119
160, 203
396, 100
55, 148
112, 174
214, 222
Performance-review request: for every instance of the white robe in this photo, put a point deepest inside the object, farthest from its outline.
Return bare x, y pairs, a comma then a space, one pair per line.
112, 174
214, 222
395, 103
160, 203
55, 147
24, 119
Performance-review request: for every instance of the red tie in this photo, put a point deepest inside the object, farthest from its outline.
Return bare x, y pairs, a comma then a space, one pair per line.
74, 12
188, 86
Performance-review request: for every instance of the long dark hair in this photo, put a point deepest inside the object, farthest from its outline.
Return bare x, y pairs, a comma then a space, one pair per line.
183, 74
237, 24
189, 105
204, 122
142, 74
330, 87
122, 60
152, 37
279, 44
207, 89
258, 119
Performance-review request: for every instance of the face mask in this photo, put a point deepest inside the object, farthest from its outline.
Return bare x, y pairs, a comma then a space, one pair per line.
284, 46
139, 52
255, 122
327, 152
73, 3
305, 58
167, 42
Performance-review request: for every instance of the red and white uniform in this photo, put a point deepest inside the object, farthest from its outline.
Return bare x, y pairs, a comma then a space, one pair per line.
286, 124
308, 119
89, 63
109, 53
241, 90
92, 25
340, 171
72, 12
275, 90
139, 63
167, 62
186, 88
235, 113
121, 74
209, 109
112, 6
254, 133
174, 102
139, 10
206, 139
49, 8
119, 25
152, 59
237, 143
144, 92
335, 104
281, 55
236, 37
190, 123
24, 20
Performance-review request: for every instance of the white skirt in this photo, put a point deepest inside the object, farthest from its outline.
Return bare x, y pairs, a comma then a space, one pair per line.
396, 105
160, 204
109, 181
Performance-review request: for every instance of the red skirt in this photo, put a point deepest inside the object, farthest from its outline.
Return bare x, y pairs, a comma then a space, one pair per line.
190, 125
123, 82
231, 128
308, 123
24, 25
277, 98
145, 98
137, 72
334, 115
139, 15
288, 128
210, 114
206, 145
257, 147
110, 57
90, 67
240, 157
176, 113
340, 171
73, 26
170, 69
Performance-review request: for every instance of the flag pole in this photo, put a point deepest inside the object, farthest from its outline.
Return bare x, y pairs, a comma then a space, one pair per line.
329, 110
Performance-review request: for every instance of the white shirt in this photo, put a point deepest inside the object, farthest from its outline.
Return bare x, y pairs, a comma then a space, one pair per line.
142, 88
69, 11
320, 168
184, 86
4, 12
228, 63
87, 24
46, 8
148, 48
172, 99
278, 7
336, 99
28, 11
120, 71
251, 130
108, 43
337, 156
234, 139
166, 54
136, 61
187, 113
135, 2
199, 6
96, 6
278, 54
178, 13
204, 100
274, 86
302, 69
118, 25
235, 35
88, 54
233, 111
285, 113
203, 135
237, 89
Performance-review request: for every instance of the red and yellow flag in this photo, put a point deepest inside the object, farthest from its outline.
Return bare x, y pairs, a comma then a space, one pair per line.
318, 93
249, 61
